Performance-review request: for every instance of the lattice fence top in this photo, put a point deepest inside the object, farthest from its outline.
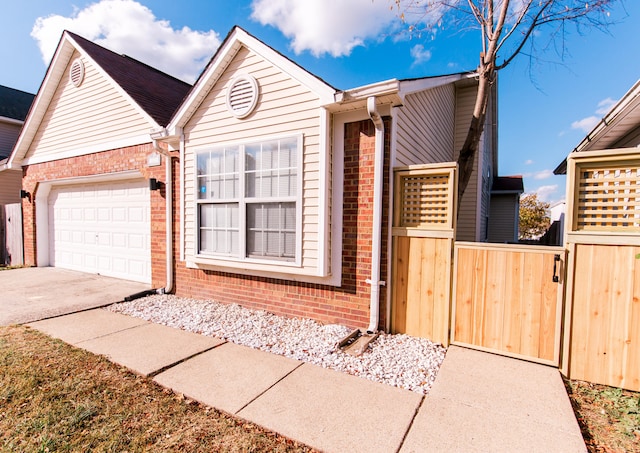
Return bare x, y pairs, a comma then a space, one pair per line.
608, 199
425, 200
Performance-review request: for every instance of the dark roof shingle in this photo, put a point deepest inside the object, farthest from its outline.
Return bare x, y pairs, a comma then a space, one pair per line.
508, 184
14, 103
156, 92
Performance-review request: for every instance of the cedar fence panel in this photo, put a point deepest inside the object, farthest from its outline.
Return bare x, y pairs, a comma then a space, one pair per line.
506, 299
423, 234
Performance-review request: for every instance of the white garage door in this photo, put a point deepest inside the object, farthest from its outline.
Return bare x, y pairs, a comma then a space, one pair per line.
102, 228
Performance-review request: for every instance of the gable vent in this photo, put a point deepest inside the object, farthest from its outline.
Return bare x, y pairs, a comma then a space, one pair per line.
242, 96
76, 73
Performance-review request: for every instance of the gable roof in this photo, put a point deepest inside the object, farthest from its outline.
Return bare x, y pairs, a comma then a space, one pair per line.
154, 94
158, 94
234, 41
623, 118
14, 104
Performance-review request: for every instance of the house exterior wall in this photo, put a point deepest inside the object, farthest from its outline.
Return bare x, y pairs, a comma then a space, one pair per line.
503, 218
468, 210
347, 304
8, 135
10, 183
425, 127
82, 120
99, 164
285, 108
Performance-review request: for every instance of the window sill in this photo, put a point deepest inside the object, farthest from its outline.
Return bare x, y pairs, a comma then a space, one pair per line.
282, 271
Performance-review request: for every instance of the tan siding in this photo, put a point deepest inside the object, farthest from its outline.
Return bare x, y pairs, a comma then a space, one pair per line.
8, 136
10, 184
502, 219
426, 127
284, 108
91, 115
466, 231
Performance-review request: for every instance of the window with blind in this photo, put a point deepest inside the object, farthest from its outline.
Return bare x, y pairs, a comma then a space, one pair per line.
248, 201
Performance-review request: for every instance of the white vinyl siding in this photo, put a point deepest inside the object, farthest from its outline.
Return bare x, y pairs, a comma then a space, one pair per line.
426, 127
285, 108
466, 229
83, 118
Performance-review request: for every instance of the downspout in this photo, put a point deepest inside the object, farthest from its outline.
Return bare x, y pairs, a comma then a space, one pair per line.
374, 281
168, 186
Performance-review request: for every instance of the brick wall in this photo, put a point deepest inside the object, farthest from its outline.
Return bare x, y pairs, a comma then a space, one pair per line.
347, 304
117, 160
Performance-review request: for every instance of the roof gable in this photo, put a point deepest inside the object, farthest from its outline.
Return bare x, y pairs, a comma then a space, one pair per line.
235, 40
153, 94
157, 93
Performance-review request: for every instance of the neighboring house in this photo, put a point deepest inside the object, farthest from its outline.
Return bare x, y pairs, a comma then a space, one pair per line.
14, 106
504, 213
278, 192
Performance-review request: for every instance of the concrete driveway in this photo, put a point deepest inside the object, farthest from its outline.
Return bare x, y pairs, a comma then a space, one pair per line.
31, 294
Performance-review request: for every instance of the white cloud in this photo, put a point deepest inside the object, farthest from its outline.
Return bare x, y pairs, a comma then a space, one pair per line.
605, 105
331, 27
546, 193
126, 26
543, 174
420, 55
528, 162
585, 124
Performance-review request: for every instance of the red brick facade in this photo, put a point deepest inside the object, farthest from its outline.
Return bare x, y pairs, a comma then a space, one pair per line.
347, 304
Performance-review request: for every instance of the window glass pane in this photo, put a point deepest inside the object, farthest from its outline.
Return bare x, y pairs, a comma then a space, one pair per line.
218, 174
288, 152
271, 230
219, 229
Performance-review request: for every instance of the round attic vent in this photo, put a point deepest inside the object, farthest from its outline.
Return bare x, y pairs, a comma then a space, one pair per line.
76, 73
242, 96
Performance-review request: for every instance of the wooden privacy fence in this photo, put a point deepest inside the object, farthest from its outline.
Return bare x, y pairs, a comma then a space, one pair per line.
508, 299
11, 243
602, 315
423, 232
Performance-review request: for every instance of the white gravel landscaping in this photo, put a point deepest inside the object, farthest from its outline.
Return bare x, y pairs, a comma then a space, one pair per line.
399, 360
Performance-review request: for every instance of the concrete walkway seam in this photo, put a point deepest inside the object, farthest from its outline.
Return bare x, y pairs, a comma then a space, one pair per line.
269, 388
174, 364
415, 414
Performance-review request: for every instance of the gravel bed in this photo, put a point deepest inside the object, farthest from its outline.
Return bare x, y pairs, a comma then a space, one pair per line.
399, 360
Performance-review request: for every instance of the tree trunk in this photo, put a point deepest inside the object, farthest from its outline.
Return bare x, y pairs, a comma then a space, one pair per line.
471, 144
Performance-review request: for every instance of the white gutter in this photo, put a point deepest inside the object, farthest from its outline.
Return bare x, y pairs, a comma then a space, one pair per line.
182, 228
374, 281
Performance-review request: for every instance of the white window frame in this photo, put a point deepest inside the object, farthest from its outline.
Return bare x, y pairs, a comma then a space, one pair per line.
242, 203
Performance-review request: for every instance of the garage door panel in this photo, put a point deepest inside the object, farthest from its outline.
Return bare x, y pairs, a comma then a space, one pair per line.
102, 228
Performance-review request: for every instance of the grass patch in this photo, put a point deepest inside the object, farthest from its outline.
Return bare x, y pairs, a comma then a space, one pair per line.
54, 397
609, 417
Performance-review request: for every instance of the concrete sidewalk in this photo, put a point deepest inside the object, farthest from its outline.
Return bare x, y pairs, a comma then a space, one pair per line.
480, 402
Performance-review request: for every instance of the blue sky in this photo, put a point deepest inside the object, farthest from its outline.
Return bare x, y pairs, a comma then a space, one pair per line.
545, 107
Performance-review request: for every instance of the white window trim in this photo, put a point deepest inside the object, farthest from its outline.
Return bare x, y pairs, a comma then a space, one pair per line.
298, 198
